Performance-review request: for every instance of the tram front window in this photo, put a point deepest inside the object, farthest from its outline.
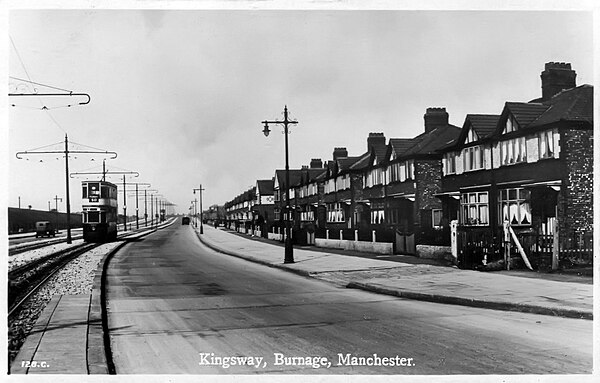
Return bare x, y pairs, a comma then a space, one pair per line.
93, 217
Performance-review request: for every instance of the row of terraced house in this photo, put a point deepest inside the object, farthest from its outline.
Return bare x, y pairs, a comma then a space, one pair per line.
450, 191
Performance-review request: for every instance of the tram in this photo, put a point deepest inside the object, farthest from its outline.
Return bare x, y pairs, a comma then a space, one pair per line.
99, 211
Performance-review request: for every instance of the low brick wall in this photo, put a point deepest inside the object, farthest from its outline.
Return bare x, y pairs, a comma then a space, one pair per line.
434, 252
369, 247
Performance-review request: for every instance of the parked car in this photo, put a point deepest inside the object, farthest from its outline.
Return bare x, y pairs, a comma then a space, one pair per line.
44, 228
185, 221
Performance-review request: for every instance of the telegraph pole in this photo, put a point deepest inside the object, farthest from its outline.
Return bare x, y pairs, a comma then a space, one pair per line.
66, 152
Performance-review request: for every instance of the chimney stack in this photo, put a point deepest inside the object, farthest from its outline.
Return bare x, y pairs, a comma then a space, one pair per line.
339, 153
316, 163
435, 118
375, 140
556, 77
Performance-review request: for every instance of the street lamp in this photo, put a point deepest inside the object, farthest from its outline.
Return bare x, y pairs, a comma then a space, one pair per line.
200, 190
289, 249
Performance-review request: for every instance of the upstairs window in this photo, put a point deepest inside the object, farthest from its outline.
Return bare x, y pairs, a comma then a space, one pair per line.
394, 172
473, 158
342, 182
450, 159
330, 185
511, 125
513, 151
546, 144
471, 136
409, 170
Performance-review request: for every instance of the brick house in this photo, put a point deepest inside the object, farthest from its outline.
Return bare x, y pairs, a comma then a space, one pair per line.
239, 211
401, 187
532, 166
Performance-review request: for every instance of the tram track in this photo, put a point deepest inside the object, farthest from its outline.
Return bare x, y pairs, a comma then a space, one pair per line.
25, 279
65, 271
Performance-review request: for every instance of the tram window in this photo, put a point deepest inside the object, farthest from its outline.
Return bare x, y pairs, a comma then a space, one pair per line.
94, 188
84, 191
103, 217
93, 217
104, 192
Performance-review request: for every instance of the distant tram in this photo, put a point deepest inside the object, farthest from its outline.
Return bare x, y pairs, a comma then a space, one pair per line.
99, 211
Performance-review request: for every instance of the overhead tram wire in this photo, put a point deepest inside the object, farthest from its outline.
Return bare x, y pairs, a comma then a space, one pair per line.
29, 80
32, 82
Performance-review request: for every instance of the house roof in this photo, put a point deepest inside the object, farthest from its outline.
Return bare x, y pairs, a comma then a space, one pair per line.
432, 141
265, 187
483, 124
525, 113
362, 162
346, 163
380, 152
400, 145
310, 174
295, 177
575, 104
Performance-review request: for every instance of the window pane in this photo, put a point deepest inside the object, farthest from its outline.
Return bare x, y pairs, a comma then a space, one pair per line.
93, 217
504, 212
525, 214
483, 197
483, 214
514, 213
512, 194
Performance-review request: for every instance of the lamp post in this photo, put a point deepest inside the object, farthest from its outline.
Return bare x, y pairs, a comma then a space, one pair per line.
289, 249
200, 190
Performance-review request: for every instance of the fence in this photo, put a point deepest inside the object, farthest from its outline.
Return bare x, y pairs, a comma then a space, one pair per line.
576, 250
479, 246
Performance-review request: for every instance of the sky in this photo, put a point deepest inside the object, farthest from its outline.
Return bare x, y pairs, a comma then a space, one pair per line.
179, 95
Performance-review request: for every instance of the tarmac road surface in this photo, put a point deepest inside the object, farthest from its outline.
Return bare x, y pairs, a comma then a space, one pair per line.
177, 307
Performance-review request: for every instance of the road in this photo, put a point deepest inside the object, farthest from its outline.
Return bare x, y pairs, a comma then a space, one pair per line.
177, 307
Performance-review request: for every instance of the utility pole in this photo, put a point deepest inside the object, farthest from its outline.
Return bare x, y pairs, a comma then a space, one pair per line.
289, 249
56, 199
66, 152
104, 173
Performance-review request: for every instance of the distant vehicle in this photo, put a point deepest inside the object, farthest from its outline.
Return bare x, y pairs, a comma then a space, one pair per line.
185, 221
99, 203
44, 228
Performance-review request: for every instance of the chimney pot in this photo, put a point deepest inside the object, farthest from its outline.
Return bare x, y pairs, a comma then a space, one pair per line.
435, 118
556, 77
339, 153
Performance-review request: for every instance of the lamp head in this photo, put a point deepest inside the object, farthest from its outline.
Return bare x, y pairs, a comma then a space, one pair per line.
266, 130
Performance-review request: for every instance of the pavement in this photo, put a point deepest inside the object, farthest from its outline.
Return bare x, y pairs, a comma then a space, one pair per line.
564, 295
68, 336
